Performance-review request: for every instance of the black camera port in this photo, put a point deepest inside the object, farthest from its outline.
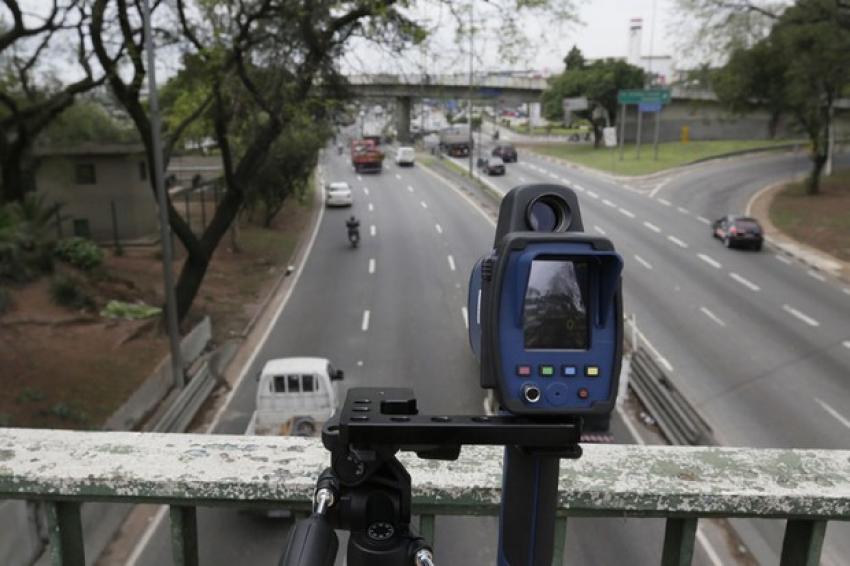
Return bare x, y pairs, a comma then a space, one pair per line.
531, 393
548, 213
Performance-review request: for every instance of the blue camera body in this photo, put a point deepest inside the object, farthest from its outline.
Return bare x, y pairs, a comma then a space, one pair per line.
545, 318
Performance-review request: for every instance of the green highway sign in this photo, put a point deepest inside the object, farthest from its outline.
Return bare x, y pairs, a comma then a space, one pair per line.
659, 95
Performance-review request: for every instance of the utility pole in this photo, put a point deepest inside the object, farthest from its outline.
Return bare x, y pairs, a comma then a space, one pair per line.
164, 226
469, 105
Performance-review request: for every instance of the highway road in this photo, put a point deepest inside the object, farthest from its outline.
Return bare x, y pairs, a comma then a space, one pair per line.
392, 312
757, 341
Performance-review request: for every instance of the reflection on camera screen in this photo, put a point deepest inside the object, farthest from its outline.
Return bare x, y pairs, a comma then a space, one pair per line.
555, 311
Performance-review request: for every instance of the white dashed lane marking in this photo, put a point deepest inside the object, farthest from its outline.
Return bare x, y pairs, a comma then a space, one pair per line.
599, 229
372, 265
366, 191
465, 314
804, 317
816, 275
703, 219
373, 230
371, 207
710, 261
423, 203
677, 241
745, 282
397, 176
652, 227
591, 194
438, 228
683, 210
364, 325
628, 213
451, 263
410, 188
783, 259
712, 316
643, 262
846, 344
359, 178
607, 202
665, 202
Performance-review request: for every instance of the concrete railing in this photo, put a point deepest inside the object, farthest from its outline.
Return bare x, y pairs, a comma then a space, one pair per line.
683, 484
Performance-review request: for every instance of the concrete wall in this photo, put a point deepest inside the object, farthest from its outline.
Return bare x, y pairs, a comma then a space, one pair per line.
119, 179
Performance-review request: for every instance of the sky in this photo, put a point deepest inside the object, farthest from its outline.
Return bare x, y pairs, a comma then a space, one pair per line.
601, 33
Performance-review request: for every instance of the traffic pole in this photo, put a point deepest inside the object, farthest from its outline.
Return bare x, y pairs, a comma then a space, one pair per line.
622, 129
640, 119
655, 140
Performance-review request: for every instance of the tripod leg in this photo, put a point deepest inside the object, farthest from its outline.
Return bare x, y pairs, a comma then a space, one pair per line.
527, 516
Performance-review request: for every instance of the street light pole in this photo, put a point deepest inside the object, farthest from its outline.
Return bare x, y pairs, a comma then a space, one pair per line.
469, 105
164, 226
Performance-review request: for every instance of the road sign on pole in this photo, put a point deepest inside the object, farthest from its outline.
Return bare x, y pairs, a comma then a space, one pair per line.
609, 135
641, 96
574, 104
649, 106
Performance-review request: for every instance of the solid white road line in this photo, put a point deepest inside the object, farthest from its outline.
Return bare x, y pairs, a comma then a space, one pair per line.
660, 186
816, 275
451, 262
677, 241
365, 324
710, 261
745, 282
372, 230
599, 229
838, 416
712, 316
652, 227
423, 203
664, 361
607, 202
371, 208
365, 191
683, 210
371, 265
665, 202
783, 259
410, 188
465, 314
628, 213
643, 262
804, 317
591, 194
438, 228
703, 219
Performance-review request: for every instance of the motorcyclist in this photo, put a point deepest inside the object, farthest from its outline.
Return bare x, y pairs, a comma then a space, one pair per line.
353, 226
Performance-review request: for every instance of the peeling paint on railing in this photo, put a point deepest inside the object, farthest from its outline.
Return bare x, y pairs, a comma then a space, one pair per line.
607, 480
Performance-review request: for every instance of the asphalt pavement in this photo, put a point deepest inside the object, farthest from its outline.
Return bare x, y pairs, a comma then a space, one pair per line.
758, 342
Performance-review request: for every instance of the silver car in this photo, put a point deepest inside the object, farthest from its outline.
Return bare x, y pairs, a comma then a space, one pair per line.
338, 194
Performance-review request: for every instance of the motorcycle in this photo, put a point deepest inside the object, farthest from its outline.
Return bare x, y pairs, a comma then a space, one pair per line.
354, 237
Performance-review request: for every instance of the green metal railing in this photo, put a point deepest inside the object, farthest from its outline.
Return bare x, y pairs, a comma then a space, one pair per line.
682, 484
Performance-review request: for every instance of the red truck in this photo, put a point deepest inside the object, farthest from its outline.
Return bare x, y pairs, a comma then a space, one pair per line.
365, 156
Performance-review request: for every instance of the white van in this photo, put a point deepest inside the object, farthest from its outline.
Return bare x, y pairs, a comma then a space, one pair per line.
405, 156
295, 396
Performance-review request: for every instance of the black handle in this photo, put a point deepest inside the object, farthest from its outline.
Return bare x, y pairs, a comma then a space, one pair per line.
312, 542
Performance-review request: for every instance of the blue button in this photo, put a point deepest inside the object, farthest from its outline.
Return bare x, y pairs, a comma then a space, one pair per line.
568, 371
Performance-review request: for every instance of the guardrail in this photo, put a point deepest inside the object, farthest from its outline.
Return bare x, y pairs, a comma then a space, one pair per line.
683, 484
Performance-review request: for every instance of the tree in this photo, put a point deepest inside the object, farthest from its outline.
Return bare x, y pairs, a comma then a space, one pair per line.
753, 78
31, 98
806, 59
599, 82
574, 61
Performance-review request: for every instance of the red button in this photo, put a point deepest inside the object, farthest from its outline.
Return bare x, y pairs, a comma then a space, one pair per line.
582, 393
523, 371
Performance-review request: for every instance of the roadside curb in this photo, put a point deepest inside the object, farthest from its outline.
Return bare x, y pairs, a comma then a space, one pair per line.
812, 257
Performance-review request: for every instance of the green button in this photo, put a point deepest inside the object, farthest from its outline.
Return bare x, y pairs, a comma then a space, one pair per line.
547, 371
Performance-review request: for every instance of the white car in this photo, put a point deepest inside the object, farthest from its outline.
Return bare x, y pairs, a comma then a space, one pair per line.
338, 194
405, 156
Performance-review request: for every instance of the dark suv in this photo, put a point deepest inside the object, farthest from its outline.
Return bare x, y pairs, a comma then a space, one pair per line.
492, 165
738, 231
506, 152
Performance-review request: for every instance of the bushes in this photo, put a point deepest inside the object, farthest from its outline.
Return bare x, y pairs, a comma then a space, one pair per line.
67, 292
80, 253
25, 238
5, 300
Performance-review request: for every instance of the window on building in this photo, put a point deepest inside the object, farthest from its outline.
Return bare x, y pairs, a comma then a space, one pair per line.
82, 228
85, 174
143, 171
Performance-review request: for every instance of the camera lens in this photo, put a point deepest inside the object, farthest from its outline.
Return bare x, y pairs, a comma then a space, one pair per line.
548, 213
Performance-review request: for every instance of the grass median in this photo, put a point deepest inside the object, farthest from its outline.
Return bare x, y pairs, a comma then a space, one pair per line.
670, 154
821, 221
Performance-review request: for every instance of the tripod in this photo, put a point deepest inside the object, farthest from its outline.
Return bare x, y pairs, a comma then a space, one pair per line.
367, 491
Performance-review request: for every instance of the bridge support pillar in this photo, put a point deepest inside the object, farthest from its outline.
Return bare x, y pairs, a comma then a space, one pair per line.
403, 107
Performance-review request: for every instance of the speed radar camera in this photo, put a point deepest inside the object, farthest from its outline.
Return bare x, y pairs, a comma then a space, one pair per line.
545, 308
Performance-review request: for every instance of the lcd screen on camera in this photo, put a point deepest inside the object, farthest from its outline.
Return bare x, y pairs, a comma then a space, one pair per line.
555, 308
